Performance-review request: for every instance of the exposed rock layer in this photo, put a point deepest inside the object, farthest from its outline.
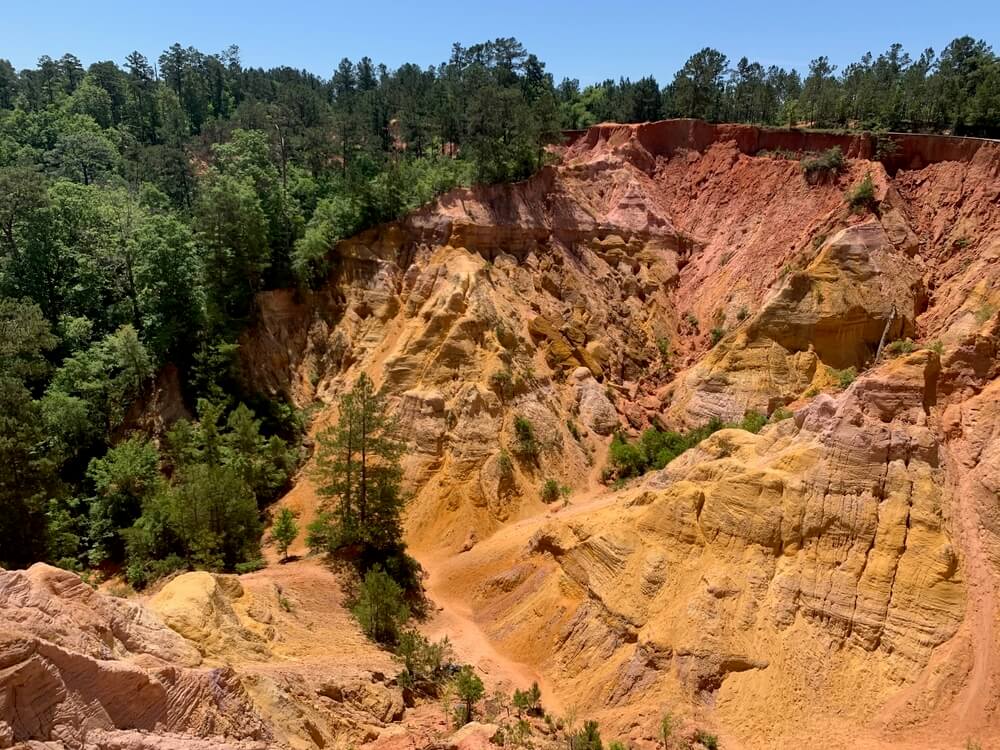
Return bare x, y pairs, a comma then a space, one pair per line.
831, 580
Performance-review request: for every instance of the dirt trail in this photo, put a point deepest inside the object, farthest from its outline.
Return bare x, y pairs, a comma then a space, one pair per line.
454, 619
457, 620
452, 616
972, 703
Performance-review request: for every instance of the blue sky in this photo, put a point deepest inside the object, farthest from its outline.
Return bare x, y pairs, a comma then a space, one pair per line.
582, 39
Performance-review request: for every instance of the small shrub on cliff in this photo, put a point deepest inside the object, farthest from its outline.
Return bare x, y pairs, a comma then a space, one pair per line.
663, 345
743, 313
716, 335
753, 422
574, 430
627, 459
657, 448
844, 377
984, 313
504, 465
900, 346
525, 444
780, 414
665, 731
862, 196
552, 491
826, 162
706, 740
502, 383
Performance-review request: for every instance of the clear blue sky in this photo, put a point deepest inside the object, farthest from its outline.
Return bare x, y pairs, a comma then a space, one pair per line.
583, 39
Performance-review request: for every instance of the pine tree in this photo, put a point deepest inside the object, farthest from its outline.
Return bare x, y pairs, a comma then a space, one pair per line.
470, 690
284, 531
358, 474
380, 608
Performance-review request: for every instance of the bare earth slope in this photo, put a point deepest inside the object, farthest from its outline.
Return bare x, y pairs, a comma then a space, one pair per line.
832, 579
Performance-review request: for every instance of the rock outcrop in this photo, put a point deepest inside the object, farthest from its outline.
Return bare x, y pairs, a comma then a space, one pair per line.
794, 584
77, 666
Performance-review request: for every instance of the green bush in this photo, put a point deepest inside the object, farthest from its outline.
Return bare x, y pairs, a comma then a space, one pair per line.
469, 689
708, 741
502, 383
425, 664
524, 433
844, 377
862, 196
552, 491
657, 448
753, 422
885, 146
283, 531
529, 701
663, 345
830, 161
251, 565
716, 335
900, 346
504, 465
380, 608
781, 413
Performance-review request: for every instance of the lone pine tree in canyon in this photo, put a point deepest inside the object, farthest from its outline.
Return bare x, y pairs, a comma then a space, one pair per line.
454, 407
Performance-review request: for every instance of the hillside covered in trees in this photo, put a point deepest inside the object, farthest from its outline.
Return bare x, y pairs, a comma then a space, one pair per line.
143, 206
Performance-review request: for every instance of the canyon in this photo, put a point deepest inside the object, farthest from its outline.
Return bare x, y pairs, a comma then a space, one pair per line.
832, 579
